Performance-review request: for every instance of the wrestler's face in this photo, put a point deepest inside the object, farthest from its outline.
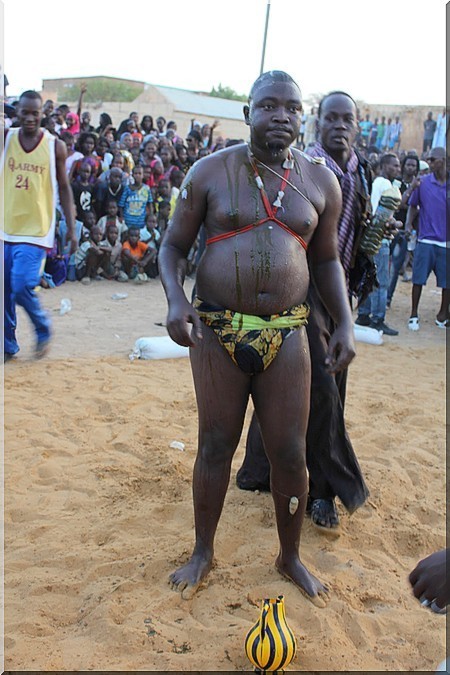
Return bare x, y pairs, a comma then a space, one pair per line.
274, 115
337, 123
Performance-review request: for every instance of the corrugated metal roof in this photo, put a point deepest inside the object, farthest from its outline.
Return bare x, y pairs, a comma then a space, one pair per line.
189, 101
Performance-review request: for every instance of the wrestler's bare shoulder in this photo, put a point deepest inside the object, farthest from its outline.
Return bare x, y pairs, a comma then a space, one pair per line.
316, 170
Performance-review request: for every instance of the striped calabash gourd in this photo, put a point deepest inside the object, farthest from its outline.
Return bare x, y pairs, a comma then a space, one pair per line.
270, 645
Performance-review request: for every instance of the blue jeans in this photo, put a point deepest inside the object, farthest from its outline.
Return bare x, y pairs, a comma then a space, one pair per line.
399, 247
22, 273
375, 304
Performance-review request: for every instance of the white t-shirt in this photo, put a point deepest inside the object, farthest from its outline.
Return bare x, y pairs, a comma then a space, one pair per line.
379, 185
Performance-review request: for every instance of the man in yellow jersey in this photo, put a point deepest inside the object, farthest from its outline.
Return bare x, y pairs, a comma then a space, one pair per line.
33, 168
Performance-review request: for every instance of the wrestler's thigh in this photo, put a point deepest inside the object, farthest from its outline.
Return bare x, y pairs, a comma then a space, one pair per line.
281, 394
221, 388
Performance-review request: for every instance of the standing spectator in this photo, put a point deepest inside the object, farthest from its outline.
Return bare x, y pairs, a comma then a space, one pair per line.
372, 311
105, 123
381, 129
82, 190
373, 135
429, 127
431, 250
332, 465
160, 124
439, 138
365, 127
73, 124
47, 110
86, 145
147, 125
310, 128
28, 219
136, 200
85, 123
72, 154
395, 135
111, 188
385, 139
193, 142
410, 171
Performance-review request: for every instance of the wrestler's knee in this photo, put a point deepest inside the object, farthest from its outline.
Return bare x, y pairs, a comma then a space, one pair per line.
216, 447
290, 457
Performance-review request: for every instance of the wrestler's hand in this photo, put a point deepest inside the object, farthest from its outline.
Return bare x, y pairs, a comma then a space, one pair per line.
181, 314
429, 579
341, 349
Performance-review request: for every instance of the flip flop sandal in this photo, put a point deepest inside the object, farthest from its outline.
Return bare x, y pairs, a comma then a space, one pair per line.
413, 323
325, 509
442, 324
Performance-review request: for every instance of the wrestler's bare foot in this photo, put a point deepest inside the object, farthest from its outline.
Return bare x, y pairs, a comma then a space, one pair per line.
188, 578
307, 583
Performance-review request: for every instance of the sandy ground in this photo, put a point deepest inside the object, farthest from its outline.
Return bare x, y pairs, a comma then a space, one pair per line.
98, 507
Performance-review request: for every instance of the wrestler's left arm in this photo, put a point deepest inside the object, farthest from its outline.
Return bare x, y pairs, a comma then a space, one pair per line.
328, 275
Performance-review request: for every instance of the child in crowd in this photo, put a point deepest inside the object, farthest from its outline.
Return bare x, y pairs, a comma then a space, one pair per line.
112, 218
112, 268
89, 220
136, 200
137, 257
164, 193
151, 236
163, 216
82, 190
91, 257
56, 262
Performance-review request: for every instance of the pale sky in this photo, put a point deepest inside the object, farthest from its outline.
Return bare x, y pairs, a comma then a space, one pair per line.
379, 52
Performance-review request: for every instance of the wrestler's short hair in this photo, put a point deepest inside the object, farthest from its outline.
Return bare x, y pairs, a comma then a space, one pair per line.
335, 93
271, 76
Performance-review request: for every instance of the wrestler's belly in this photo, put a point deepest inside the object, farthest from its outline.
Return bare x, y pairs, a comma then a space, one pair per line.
260, 272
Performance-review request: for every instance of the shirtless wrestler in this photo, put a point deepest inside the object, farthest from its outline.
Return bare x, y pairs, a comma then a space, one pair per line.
267, 210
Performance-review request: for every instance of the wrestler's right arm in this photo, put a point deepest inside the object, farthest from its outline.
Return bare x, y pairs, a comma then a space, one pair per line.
189, 214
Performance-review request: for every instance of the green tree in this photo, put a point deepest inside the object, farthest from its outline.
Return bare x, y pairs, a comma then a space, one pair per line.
227, 92
99, 89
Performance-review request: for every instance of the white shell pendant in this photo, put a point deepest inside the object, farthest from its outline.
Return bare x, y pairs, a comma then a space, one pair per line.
277, 202
293, 505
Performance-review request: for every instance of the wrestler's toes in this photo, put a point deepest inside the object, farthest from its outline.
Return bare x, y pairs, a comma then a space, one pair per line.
189, 591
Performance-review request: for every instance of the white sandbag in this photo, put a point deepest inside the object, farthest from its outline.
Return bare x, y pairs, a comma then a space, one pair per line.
369, 335
157, 348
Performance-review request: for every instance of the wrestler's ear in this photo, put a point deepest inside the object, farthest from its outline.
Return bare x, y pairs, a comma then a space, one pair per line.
246, 110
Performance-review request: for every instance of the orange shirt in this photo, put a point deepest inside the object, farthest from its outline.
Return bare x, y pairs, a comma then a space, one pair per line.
137, 251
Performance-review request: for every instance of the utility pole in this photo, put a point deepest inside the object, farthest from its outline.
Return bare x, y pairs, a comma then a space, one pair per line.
265, 37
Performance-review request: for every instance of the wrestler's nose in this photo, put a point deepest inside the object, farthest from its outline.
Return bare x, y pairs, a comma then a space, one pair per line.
280, 115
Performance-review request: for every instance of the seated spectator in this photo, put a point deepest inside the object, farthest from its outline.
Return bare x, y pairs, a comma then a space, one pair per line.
89, 220
82, 190
112, 264
89, 257
136, 200
112, 219
137, 257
